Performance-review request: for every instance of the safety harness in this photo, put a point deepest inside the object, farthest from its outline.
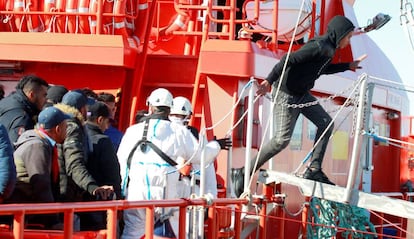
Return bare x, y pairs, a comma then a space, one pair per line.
144, 143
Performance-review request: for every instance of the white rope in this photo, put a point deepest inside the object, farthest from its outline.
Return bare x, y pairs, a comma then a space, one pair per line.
277, 92
345, 104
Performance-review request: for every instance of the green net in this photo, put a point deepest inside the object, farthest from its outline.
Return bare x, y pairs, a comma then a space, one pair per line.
328, 216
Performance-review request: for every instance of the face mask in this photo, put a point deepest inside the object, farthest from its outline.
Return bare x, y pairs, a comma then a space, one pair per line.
176, 119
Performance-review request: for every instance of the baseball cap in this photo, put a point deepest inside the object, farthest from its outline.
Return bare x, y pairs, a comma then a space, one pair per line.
98, 109
77, 99
50, 117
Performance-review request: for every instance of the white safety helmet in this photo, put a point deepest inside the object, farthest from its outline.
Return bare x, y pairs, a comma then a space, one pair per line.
181, 106
160, 97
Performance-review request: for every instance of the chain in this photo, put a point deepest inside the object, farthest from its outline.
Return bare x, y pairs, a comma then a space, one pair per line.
330, 98
355, 113
303, 105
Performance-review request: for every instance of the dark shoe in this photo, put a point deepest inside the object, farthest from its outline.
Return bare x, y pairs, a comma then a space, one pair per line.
317, 175
237, 178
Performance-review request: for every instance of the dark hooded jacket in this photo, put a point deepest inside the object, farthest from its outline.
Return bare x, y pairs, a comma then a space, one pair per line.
313, 59
76, 182
17, 114
103, 163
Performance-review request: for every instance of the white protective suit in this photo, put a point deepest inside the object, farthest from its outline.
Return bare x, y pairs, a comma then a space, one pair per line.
211, 180
148, 178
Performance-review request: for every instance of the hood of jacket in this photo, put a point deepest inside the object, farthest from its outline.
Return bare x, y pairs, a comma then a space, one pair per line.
338, 28
67, 109
28, 135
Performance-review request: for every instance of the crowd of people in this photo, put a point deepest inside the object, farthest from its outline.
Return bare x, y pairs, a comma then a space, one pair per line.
60, 145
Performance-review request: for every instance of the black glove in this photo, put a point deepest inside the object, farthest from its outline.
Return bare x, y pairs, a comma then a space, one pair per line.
225, 143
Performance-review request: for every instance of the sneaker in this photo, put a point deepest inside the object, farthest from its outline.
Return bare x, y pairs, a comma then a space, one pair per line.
317, 175
237, 178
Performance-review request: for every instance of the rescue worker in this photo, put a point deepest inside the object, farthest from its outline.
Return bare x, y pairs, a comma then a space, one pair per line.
147, 169
180, 114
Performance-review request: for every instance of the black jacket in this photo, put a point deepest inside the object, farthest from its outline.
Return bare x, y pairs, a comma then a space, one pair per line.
102, 161
17, 114
76, 182
305, 65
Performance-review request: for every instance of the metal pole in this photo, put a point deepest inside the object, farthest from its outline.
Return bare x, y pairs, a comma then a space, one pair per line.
249, 135
357, 138
200, 227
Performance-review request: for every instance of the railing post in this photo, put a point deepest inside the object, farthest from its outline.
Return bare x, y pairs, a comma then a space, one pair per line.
68, 223
18, 225
357, 141
149, 223
249, 136
112, 219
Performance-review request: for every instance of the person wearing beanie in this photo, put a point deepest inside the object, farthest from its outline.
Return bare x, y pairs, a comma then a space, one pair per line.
37, 167
303, 68
55, 94
76, 180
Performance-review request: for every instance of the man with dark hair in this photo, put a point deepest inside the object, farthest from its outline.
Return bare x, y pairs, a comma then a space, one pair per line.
303, 68
102, 163
113, 133
19, 110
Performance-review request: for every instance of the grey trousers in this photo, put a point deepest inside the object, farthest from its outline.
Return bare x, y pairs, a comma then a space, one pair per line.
284, 122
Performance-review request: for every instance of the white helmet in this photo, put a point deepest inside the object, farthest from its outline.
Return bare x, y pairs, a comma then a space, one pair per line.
181, 106
160, 97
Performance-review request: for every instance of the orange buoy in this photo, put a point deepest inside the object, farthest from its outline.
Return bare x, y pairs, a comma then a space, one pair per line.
142, 19
71, 24
19, 6
83, 7
33, 21
119, 22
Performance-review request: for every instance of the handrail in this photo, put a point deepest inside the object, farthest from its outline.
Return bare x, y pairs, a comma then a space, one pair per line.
20, 210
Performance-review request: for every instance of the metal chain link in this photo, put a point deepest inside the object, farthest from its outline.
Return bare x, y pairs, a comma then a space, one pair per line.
330, 98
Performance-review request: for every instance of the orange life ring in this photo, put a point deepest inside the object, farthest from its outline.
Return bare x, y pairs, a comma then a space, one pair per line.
178, 22
19, 6
71, 7
130, 9
59, 23
108, 21
107, 8
93, 8
33, 21
49, 6
142, 19
83, 7
9, 7
119, 22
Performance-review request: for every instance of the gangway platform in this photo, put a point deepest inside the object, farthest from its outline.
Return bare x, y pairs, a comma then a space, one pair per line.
371, 201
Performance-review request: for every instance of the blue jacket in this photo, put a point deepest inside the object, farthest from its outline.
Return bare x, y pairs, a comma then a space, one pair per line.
7, 166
